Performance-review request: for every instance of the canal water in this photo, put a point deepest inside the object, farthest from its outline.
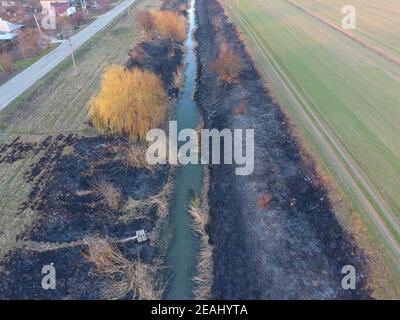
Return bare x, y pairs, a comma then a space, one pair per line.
183, 251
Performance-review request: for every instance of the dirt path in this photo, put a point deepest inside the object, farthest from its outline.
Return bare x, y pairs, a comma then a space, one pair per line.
337, 154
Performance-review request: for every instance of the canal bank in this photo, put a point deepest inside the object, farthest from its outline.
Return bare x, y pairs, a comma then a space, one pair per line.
184, 247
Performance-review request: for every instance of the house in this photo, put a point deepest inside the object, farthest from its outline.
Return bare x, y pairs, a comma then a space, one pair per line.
8, 33
60, 6
9, 30
9, 27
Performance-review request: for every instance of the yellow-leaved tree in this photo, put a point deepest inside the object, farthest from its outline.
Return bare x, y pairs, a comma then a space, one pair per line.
130, 102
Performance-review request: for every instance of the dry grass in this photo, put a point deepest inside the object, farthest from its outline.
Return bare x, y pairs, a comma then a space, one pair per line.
199, 211
135, 157
264, 200
170, 25
242, 109
199, 215
228, 65
110, 194
145, 21
163, 23
122, 277
179, 77
139, 208
100, 253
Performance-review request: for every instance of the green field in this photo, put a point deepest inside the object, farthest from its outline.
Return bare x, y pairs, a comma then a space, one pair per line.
378, 21
343, 96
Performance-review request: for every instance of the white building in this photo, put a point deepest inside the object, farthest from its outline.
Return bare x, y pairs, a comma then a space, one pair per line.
8, 30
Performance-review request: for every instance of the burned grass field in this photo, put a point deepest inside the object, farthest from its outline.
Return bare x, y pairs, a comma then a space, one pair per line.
275, 234
339, 89
70, 211
76, 187
75, 199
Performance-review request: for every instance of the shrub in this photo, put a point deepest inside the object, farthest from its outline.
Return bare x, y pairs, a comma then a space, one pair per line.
136, 208
110, 194
129, 102
179, 77
145, 20
242, 109
264, 200
7, 62
121, 276
228, 65
170, 25
100, 253
166, 24
137, 54
204, 278
136, 157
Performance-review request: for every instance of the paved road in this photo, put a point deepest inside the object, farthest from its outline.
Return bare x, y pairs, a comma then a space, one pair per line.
338, 156
22, 81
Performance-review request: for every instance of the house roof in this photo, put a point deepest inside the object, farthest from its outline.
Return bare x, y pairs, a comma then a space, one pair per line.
60, 7
6, 26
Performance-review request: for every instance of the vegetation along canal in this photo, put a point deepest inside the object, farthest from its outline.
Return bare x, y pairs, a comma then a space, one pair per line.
182, 253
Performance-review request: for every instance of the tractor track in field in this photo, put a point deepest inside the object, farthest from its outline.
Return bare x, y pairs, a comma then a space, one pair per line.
336, 152
361, 42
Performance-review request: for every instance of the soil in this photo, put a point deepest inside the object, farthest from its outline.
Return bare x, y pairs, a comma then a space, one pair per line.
274, 233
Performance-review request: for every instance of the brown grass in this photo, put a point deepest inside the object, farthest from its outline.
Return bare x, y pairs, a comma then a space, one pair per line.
135, 157
228, 65
139, 208
179, 77
110, 194
145, 20
170, 25
204, 277
163, 23
242, 109
264, 200
122, 277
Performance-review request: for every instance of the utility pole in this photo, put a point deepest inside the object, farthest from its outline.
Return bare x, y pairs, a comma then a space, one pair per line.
72, 49
72, 55
37, 23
